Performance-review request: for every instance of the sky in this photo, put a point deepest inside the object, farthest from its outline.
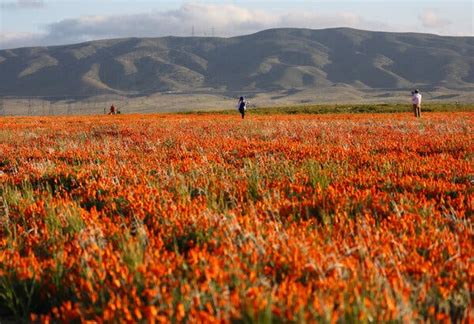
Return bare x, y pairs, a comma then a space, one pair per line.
49, 22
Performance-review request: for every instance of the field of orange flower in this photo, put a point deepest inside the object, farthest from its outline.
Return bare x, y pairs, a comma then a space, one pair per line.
203, 218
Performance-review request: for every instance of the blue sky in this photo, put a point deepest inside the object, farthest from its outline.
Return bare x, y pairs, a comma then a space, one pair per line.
50, 22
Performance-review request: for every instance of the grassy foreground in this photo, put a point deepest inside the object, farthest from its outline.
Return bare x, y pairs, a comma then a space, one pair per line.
175, 218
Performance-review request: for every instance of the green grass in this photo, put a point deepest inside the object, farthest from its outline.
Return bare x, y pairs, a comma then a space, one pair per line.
347, 108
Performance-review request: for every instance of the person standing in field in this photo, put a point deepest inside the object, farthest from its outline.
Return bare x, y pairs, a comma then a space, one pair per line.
242, 106
416, 101
112, 110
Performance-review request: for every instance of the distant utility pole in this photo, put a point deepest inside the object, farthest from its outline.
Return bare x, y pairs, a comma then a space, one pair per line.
193, 32
69, 109
2, 108
30, 110
213, 31
51, 110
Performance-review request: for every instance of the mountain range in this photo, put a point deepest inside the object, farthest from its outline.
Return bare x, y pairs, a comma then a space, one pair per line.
271, 60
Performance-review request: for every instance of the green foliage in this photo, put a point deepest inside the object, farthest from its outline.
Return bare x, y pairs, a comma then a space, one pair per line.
347, 109
316, 176
253, 180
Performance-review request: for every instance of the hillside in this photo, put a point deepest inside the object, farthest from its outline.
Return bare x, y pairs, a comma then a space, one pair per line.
271, 60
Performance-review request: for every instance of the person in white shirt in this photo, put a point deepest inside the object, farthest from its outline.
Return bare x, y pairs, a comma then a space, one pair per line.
416, 101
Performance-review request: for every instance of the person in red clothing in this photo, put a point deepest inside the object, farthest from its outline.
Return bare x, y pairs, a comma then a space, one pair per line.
112, 110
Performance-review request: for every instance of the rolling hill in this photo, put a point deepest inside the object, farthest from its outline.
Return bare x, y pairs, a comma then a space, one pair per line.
271, 60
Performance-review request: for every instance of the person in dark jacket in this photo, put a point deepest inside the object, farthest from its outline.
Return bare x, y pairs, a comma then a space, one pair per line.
242, 106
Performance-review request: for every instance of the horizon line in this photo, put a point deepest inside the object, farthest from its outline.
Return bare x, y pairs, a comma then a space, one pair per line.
237, 36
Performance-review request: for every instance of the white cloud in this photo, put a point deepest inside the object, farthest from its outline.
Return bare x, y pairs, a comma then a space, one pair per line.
226, 20
19, 39
23, 4
430, 18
